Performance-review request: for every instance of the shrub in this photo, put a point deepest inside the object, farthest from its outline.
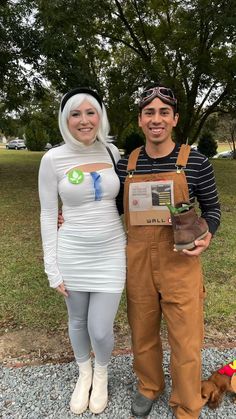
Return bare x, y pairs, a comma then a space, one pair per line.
36, 136
207, 144
133, 141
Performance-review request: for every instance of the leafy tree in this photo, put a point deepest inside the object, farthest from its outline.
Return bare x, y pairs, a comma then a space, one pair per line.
73, 43
18, 49
40, 118
11, 127
140, 41
207, 144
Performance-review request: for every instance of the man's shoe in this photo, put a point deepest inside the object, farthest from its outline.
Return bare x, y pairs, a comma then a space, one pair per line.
141, 405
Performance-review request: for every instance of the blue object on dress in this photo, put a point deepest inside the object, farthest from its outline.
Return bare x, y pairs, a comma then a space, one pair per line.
97, 185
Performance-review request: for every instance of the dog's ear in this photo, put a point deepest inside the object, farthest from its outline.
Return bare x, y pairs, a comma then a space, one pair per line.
207, 387
210, 394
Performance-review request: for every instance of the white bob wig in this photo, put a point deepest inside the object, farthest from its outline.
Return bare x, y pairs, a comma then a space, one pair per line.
73, 102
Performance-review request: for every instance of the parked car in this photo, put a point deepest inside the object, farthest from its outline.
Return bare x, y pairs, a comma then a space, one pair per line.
122, 152
111, 139
16, 145
224, 155
59, 144
48, 146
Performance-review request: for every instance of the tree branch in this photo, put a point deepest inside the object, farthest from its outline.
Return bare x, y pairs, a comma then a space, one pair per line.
209, 111
142, 27
181, 64
115, 39
132, 34
204, 99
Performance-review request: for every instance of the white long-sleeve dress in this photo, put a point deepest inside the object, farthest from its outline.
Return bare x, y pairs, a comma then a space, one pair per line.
88, 252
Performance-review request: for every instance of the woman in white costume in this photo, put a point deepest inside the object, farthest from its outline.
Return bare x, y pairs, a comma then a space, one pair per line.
85, 258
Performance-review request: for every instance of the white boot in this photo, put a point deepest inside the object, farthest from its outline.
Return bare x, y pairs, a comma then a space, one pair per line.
99, 396
80, 397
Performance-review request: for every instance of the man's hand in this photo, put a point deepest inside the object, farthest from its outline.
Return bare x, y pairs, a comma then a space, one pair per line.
60, 219
201, 245
61, 289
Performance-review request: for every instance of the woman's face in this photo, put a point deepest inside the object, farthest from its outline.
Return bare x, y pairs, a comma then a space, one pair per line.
83, 123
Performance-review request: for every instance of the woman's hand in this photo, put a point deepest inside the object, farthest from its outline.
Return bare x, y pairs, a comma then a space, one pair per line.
61, 289
60, 219
201, 245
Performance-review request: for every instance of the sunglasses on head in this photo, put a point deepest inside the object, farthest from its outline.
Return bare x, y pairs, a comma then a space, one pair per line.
162, 92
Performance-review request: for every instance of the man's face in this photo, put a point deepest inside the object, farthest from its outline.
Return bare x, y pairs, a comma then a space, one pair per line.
157, 120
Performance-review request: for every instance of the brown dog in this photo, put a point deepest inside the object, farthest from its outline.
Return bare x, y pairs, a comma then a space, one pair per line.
219, 383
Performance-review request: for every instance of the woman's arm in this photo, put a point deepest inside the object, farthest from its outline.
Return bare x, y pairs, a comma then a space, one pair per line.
48, 195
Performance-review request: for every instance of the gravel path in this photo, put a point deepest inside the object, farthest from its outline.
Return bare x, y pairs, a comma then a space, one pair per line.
44, 391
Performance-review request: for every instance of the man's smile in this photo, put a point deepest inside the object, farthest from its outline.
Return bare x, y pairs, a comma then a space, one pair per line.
157, 130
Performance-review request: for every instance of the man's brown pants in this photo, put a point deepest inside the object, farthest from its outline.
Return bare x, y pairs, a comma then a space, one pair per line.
161, 281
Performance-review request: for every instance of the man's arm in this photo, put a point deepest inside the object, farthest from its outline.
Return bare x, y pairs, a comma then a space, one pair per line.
122, 173
119, 200
207, 197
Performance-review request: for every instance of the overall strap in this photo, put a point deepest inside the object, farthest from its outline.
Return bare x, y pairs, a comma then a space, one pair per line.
181, 160
112, 158
183, 156
133, 159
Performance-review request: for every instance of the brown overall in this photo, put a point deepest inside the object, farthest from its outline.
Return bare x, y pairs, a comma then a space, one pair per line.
160, 280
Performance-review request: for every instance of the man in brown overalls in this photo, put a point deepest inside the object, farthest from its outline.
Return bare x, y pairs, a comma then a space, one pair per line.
161, 280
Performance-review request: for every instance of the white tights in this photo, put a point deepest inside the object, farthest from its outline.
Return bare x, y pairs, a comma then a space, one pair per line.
91, 317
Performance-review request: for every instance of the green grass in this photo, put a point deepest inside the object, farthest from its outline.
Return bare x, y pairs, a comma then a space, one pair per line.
219, 260
27, 300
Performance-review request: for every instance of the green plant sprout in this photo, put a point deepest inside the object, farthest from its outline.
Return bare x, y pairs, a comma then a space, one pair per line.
174, 210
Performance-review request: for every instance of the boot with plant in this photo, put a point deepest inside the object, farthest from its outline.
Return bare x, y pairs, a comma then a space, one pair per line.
187, 225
